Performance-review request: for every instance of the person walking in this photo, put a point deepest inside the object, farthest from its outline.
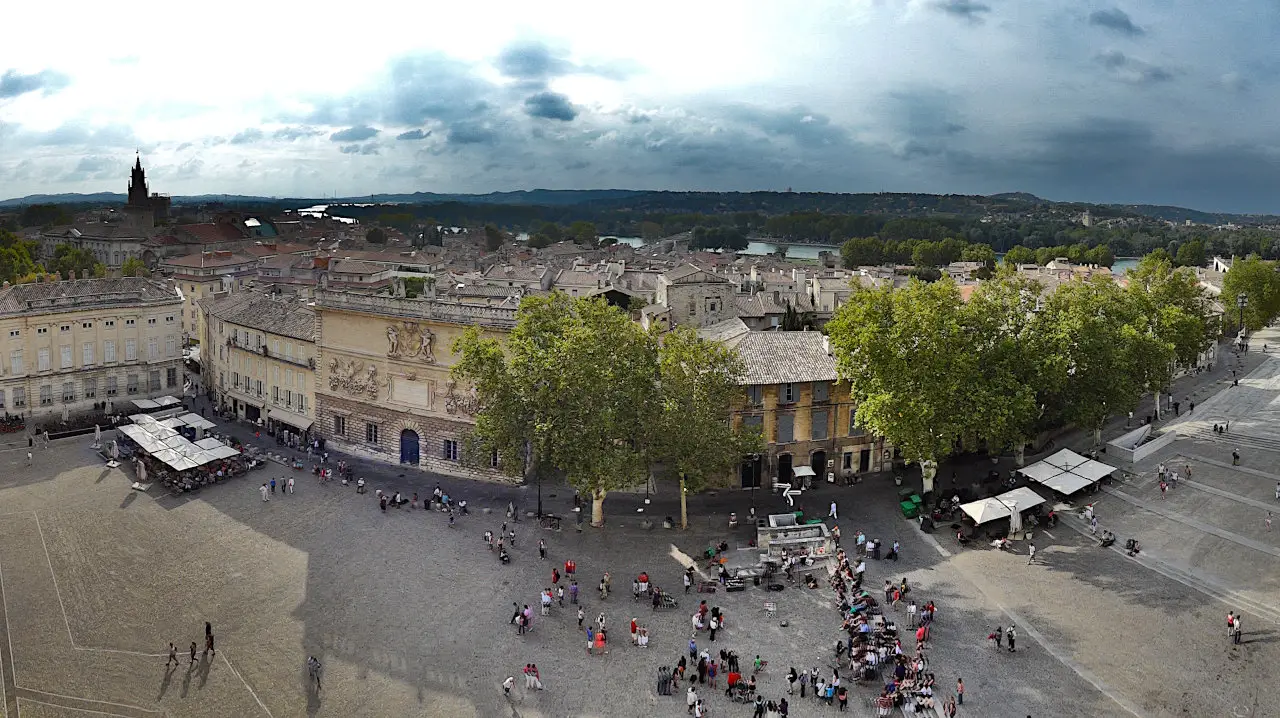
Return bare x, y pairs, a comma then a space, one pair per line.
1031, 551
29, 463
1235, 457
833, 511
1267, 521
263, 491
560, 594
582, 614
507, 685
1012, 635
960, 686
573, 592
193, 653
208, 639
1237, 631
714, 625
290, 484
273, 484
1231, 623
173, 656
1164, 488
1093, 525
999, 636
542, 549
688, 580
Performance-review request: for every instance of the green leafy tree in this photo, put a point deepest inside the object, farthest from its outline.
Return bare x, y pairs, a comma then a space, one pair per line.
539, 240
698, 382
15, 257
1191, 254
44, 215
583, 232
862, 252
1019, 255
979, 253
493, 237
1101, 255
572, 389
908, 357
376, 235
68, 259
551, 231
649, 231
1177, 304
134, 267
1258, 280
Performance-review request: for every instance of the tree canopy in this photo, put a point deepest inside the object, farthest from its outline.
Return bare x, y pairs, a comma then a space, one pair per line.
68, 259
376, 235
1258, 280
134, 267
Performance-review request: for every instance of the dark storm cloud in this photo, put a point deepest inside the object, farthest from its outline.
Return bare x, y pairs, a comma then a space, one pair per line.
796, 123
247, 137
14, 83
413, 135
1131, 69
550, 106
532, 61
1117, 20
472, 133
359, 133
968, 10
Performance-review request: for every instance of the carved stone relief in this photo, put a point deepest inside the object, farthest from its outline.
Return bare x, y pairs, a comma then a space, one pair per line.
410, 340
353, 377
460, 402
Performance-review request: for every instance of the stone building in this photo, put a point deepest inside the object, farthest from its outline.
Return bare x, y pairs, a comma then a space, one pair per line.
199, 276
259, 357
383, 387
695, 297
76, 345
793, 395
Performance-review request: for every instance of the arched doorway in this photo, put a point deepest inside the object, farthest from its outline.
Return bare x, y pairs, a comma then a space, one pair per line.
409, 447
784, 469
818, 462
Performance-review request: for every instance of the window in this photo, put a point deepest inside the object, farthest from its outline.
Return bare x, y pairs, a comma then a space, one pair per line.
450, 449
275, 375
42, 330
131, 350
371, 433
112, 388
64, 328
109, 323
787, 394
753, 424
854, 429
46, 395
42, 359
275, 395
288, 398
786, 428
819, 424
1, 398
493, 459
153, 348
86, 354
68, 392
299, 383
168, 319
275, 347
151, 320
235, 379
288, 377
66, 359
171, 377
15, 361
129, 322
340, 425
131, 386
14, 332
90, 388
109, 351
19, 396
288, 351
693, 307
170, 346
847, 464
257, 383
821, 391
86, 325
153, 380
302, 402
755, 395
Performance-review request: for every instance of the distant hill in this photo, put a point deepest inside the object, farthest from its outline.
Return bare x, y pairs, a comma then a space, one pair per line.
1020, 196
67, 198
1181, 214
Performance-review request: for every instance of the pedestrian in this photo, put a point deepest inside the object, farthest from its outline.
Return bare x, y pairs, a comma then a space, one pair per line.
1012, 635
1164, 487
950, 709
582, 614
570, 566
1235, 456
537, 677
573, 592
688, 581
1177, 408
560, 594
1235, 635
999, 637
960, 686
208, 644
693, 646
29, 463
1031, 550
691, 698
911, 612
173, 656
46, 438
1231, 623
715, 624
833, 510
273, 484
555, 572
193, 653
1191, 406
1268, 521
1093, 525
290, 484
507, 685
1277, 489
263, 491
542, 549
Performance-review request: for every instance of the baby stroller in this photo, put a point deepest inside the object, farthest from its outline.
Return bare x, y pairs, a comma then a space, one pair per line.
668, 601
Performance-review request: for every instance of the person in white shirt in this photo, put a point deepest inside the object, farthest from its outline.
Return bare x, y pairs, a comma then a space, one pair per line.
264, 490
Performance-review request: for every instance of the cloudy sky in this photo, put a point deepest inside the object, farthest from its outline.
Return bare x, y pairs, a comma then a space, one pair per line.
1170, 102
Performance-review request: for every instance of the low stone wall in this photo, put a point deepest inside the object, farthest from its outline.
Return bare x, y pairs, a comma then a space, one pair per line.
1138, 444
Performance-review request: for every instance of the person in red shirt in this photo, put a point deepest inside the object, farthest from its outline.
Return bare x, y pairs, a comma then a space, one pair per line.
570, 567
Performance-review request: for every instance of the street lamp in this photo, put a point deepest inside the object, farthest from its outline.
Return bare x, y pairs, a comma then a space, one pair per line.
755, 481
1242, 301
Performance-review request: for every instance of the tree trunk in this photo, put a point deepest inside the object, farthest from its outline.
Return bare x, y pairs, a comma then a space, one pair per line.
1020, 455
684, 505
928, 470
597, 508
1097, 438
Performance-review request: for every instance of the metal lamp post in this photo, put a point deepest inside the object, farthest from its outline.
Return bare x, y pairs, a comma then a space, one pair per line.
755, 481
1242, 301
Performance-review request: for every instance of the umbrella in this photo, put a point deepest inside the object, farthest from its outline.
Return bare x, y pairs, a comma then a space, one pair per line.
115, 449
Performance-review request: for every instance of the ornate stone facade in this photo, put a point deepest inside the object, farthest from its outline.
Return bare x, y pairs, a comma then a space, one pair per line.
384, 388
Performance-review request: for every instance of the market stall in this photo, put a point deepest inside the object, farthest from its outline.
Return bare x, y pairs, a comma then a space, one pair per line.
1067, 472
161, 452
781, 536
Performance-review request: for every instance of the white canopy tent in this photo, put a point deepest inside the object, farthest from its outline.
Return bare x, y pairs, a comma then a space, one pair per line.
165, 444
1067, 472
1066, 459
1002, 506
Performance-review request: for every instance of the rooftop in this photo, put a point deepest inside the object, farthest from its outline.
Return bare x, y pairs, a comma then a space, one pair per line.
74, 295
785, 357
269, 314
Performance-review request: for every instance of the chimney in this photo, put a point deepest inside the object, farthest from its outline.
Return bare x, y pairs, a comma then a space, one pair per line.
826, 344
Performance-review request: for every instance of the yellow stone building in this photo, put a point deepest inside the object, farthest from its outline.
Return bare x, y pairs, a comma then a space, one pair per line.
383, 388
77, 346
259, 357
792, 394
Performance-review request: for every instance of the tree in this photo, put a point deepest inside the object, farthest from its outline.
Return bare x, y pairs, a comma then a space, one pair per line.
698, 382
15, 257
650, 231
908, 357
583, 232
539, 240
375, 235
1101, 353
44, 215
729, 238
1019, 255
572, 389
1174, 299
1191, 254
68, 259
979, 253
1101, 255
134, 267
862, 252
1257, 279
794, 320
493, 238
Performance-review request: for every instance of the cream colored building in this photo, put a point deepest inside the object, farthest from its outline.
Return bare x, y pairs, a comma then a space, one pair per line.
259, 358
383, 386
74, 346
199, 276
